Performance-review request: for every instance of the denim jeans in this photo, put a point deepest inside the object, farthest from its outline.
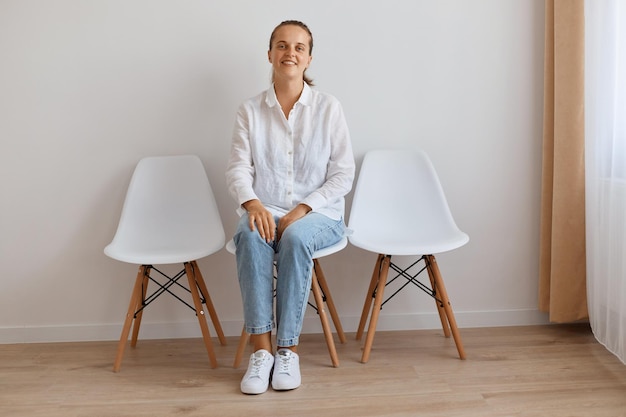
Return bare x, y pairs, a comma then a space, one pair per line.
293, 257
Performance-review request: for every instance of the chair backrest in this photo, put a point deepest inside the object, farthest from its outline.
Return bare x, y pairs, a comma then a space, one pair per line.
169, 214
399, 207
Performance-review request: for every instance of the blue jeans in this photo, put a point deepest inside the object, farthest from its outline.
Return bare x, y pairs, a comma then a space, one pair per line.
293, 257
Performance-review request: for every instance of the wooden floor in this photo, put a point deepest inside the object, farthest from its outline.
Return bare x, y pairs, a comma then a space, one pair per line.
546, 371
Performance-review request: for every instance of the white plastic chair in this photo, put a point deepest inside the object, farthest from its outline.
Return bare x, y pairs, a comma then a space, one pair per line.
169, 217
399, 208
321, 295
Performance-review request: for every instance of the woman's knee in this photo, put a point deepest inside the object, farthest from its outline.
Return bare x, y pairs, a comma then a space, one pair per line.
294, 241
244, 233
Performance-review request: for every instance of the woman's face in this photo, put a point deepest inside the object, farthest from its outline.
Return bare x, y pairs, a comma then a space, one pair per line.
289, 53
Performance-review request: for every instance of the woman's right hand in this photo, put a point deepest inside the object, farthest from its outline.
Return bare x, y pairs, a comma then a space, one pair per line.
261, 217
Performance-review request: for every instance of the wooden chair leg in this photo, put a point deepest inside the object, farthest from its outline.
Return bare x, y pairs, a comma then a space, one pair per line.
200, 313
138, 307
319, 301
241, 347
369, 298
209, 304
134, 297
441, 289
442, 313
321, 279
378, 301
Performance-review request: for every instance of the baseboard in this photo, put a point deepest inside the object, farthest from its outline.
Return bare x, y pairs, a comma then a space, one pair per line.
190, 329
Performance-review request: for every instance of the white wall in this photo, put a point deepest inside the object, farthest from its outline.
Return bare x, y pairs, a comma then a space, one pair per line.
88, 88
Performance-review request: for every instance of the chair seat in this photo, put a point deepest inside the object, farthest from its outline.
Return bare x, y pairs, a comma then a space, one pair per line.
151, 252
419, 243
329, 250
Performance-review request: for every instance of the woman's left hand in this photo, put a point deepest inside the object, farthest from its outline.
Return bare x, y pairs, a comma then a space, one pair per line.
297, 213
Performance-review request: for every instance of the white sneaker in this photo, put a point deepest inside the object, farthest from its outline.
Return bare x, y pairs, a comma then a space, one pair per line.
286, 370
257, 377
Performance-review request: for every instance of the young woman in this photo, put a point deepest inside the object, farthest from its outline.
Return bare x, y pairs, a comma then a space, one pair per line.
290, 166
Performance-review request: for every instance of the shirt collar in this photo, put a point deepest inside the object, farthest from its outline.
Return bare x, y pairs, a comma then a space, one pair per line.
305, 98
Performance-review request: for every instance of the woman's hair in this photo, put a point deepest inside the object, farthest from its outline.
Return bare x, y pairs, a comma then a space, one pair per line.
306, 28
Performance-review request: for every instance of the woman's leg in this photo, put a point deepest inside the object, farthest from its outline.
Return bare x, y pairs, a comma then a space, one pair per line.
255, 269
294, 264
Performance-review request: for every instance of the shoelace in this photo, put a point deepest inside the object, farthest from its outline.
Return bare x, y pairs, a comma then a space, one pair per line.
284, 362
256, 365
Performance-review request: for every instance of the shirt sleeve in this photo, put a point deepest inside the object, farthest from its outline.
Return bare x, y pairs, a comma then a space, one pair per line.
240, 170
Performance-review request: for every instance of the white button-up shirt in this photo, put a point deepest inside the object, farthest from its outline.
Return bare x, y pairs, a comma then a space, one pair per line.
284, 162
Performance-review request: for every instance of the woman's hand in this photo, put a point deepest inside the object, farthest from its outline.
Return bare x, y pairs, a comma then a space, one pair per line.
261, 217
297, 213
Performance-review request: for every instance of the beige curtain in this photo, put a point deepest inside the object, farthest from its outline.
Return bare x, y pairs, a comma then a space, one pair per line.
562, 284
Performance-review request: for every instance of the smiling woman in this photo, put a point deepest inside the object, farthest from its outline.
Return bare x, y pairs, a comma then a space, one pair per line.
303, 47
290, 167
290, 55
